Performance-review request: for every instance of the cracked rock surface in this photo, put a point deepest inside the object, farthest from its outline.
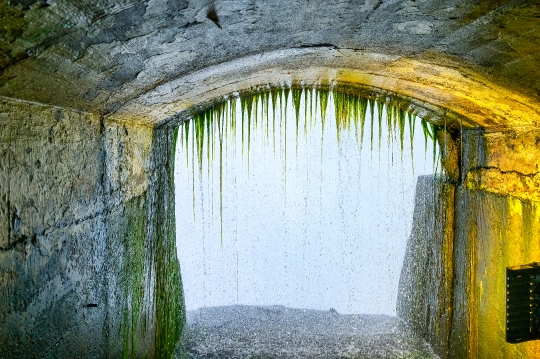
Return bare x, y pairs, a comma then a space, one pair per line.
98, 56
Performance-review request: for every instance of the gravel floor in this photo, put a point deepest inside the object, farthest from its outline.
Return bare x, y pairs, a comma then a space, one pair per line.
280, 332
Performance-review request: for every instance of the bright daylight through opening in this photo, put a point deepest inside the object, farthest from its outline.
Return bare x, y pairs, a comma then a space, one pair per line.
300, 198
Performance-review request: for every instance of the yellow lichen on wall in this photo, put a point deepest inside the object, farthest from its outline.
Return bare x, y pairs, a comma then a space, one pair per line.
514, 151
507, 231
510, 183
510, 165
497, 226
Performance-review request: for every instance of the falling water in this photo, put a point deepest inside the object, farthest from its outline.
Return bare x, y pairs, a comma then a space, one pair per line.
213, 131
240, 140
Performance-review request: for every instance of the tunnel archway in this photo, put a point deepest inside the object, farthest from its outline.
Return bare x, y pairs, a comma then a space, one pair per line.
92, 92
462, 96
464, 139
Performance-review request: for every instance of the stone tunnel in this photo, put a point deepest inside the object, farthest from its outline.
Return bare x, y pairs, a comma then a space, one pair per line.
91, 95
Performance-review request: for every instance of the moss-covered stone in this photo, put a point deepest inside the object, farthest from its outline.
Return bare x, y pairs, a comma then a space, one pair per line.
87, 248
145, 286
169, 300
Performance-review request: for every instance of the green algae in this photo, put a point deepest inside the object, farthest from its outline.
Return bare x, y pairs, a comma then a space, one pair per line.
410, 119
265, 100
133, 268
362, 106
427, 132
145, 313
210, 128
323, 102
148, 300
274, 96
371, 104
285, 97
297, 98
306, 113
380, 109
170, 316
401, 116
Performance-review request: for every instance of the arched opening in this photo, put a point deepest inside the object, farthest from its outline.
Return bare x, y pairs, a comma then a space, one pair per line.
302, 198
485, 123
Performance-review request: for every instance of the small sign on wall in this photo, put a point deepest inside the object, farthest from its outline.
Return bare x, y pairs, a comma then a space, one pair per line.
523, 303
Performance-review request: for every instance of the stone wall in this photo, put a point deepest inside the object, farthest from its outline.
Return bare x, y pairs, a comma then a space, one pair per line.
87, 236
497, 226
452, 288
53, 238
85, 203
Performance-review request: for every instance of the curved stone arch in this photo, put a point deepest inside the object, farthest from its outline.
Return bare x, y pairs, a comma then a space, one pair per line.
201, 90
432, 90
470, 104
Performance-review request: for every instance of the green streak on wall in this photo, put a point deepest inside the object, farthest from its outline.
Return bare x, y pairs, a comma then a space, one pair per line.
169, 300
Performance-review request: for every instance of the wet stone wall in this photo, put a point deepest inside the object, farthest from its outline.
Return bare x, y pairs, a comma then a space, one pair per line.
452, 288
497, 226
425, 288
80, 261
53, 233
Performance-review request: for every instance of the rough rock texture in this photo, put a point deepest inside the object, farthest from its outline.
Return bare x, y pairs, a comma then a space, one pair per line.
497, 226
453, 283
279, 332
53, 244
450, 156
507, 163
82, 255
108, 56
504, 229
